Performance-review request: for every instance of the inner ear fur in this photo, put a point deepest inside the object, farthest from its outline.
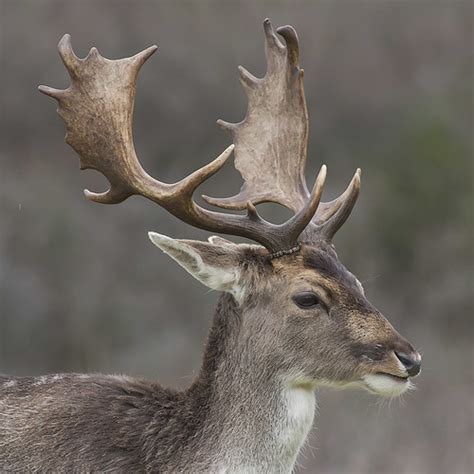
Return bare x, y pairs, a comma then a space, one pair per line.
216, 264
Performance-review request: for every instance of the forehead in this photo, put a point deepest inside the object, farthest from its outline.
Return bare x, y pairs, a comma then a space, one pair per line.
325, 262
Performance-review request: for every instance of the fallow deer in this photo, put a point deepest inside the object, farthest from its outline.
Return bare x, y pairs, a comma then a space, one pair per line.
290, 318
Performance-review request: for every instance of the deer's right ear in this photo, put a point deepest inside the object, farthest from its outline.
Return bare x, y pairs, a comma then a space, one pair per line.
214, 263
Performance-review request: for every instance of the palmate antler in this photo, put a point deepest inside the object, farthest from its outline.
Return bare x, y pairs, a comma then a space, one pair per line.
98, 107
271, 141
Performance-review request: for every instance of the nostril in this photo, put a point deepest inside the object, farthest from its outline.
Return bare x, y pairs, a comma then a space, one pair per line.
411, 362
405, 359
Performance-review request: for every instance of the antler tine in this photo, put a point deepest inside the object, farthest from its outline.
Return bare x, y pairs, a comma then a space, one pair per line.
299, 221
346, 203
140, 58
51, 92
272, 43
292, 45
248, 80
69, 58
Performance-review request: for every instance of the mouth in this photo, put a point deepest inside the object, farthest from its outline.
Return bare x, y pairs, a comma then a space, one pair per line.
397, 378
385, 384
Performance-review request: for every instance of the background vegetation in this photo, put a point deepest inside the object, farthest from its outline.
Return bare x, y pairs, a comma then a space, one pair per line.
389, 89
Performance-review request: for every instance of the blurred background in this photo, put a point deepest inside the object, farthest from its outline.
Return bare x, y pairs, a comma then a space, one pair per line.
389, 89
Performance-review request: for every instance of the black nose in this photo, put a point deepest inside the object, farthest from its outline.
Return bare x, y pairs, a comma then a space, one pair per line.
411, 362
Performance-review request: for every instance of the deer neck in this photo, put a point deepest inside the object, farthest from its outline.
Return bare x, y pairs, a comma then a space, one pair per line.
256, 417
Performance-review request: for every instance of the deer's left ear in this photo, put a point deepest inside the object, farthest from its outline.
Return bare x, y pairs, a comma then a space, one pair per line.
216, 263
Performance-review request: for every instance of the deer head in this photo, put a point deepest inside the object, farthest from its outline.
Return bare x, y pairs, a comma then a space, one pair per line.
306, 314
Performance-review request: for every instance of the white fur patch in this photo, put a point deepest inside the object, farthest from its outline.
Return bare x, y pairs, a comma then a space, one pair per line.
10, 383
288, 421
216, 240
300, 404
45, 379
83, 376
41, 380
385, 385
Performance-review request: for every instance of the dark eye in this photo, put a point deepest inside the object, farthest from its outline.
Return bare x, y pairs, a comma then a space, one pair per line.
306, 300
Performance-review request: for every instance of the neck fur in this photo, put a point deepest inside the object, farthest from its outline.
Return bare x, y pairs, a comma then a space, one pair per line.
258, 417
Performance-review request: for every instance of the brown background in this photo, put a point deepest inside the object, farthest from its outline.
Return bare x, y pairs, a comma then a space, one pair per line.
389, 88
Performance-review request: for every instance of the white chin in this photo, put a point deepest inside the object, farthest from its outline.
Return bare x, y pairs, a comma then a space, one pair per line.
386, 385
